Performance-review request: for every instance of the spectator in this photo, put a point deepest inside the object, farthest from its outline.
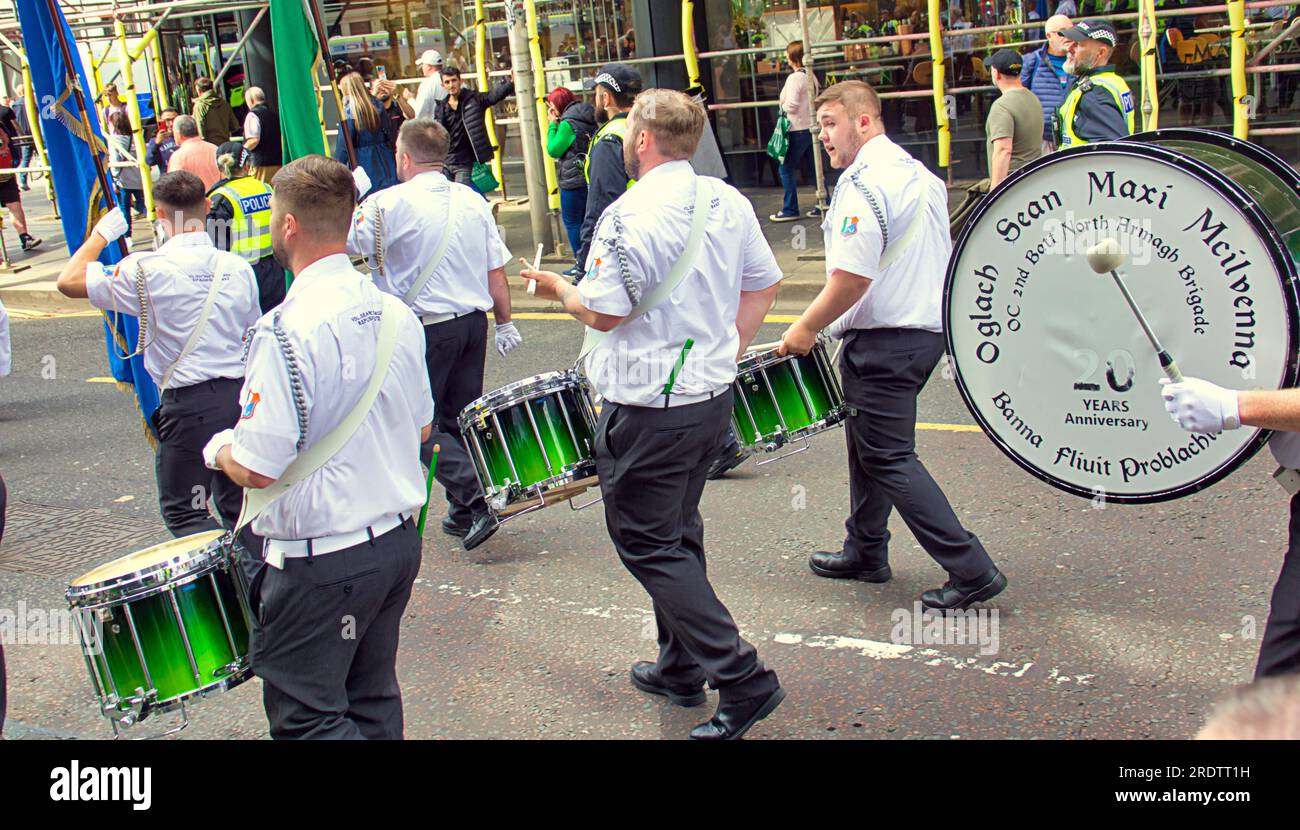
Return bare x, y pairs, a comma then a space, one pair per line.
371, 140
160, 148
239, 221
193, 154
463, 112
126, 179
262, 136
10, 196
1099, 106
23, 144
431, 88
112, 103
796, 103
1044, 74
617, 85
396, 108
573, 123
216, 120
1067, 8
1014, 128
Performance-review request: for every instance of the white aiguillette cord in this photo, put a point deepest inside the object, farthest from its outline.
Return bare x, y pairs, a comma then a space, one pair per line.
316, 456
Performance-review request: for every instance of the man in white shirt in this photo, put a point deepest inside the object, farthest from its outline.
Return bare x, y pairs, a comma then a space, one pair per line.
192, 332
342, 551
433, 243
431, 90
647, 293
887, 247
1200, 406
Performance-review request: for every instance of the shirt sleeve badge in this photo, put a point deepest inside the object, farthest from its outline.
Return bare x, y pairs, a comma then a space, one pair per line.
250, 407
850, 226
593, 270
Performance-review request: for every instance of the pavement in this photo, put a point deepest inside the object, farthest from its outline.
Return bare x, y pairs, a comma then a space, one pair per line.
1119, 622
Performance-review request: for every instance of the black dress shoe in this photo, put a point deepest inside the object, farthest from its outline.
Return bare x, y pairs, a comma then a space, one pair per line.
727, 460
733, 720
835, 565
483, 526
453, 528
957, 596
647, 678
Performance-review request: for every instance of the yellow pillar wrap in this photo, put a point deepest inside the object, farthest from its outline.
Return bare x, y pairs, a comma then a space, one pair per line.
539, 89
146, 40
33, 118
320, 106
480, 62
1240, 115
159, 80
689, 50
137, 127
1148, 35
940, 110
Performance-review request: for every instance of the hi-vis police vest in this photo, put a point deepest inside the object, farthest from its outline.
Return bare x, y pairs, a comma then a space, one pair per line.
250, 229
611, 129
1109, 81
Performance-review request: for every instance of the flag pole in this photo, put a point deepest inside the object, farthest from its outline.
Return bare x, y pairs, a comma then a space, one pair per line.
74, 83
332, 72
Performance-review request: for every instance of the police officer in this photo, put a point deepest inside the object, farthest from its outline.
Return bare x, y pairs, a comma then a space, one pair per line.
617, 85
239, 221
1200, 406
191, 331
656, 436
1099, 106
341, 546
887, 245
433, 243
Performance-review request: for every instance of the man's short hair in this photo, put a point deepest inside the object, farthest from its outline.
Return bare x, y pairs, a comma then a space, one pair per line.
254, 95
319, 192
424, 140
181, 191
202, 85
172, 110
186, 126
675, 121
450, 72
857, 97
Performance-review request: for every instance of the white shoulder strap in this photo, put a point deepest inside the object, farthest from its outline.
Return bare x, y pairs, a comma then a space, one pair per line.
317, 455
680, 269
438, 255
893, 250
218, 277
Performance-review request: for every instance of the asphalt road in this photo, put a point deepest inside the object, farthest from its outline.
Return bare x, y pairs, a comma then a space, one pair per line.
1122, 622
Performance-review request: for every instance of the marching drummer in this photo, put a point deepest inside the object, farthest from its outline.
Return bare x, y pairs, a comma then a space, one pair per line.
341, 549
1200, 406
659, 299
193, 332
434, 243
887, 245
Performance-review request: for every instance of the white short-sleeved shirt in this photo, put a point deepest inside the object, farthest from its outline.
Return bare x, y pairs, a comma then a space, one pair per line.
416, 215
859, 224
648, 227
330, 320
6, 362
252, 126
431, 91
177, 278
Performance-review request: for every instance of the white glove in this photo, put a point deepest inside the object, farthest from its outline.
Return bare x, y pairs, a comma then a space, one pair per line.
222, 439
362, 180
1285, 447
508, 337
112, 225
1199, 406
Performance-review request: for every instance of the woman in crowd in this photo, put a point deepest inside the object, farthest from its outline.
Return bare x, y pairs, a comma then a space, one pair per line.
371, 136
573, 123
130, 186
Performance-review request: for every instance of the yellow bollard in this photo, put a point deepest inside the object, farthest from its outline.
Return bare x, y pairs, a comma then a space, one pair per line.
1240, 113
940, 106
480, 61
539, 88
1148, 37
137, 124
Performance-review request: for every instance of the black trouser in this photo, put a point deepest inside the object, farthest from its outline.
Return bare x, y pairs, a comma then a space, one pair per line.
325, 639
455, 351
883, 372
186, 419
1279, 651
652, 464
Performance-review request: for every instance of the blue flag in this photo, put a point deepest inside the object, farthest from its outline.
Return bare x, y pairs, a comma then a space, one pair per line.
70, 140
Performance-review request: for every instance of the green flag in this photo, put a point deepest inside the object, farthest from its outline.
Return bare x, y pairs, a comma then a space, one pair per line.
296, 49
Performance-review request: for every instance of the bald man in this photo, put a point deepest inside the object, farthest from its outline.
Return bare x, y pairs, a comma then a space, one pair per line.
1044, 73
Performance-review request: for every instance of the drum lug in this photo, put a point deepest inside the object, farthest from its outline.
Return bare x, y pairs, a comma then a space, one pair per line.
228, 669
127, 711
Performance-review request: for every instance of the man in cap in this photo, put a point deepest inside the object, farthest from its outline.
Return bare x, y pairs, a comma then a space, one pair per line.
1014, 127
1099, 107
431, 91
1044, 73
617, 85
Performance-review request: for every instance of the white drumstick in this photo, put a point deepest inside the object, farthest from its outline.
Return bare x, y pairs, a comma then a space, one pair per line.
537, 261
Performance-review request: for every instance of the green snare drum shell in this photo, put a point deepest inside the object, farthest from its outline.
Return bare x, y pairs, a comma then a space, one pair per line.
518, 437
758, 410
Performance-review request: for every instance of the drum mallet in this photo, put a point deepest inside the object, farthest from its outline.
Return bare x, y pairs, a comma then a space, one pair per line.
428, 491
1105, 257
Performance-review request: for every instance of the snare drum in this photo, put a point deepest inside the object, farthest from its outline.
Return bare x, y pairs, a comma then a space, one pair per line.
780, 399
531, 442
163, 625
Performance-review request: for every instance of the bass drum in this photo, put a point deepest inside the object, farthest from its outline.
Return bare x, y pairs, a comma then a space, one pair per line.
1053, 364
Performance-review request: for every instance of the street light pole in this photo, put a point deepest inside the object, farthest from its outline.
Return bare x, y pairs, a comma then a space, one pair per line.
530, 136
